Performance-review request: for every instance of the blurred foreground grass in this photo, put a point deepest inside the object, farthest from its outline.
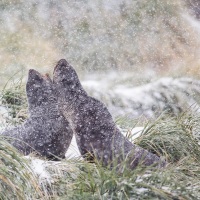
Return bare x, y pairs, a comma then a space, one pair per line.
175, 138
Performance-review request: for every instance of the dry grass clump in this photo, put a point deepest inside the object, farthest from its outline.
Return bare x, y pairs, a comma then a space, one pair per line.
168, 136
172, 137
17, 181
13, 102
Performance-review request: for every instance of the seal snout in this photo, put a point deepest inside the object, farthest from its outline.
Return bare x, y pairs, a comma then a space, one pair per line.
32, 74
61, 64
31, 71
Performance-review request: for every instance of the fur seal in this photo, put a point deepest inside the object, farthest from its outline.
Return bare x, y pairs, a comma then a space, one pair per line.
46, 130
96, 133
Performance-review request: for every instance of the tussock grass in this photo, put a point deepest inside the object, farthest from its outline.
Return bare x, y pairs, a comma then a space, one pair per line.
17, 181
168, 136
13, 100
174, 138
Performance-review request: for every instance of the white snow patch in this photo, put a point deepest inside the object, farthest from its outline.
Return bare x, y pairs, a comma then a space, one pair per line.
91, 84
141, 190
4, 114
133, 134
136, 132
73, 151
38, 166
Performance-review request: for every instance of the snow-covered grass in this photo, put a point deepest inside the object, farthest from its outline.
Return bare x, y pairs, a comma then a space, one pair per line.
77, 179
172, 95
17, 180
174, 137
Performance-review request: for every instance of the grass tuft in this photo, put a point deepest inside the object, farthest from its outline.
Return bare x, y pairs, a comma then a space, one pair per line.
17, 181
174, 138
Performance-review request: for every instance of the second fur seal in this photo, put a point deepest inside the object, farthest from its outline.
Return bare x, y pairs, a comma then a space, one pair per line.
46, 131
96, 133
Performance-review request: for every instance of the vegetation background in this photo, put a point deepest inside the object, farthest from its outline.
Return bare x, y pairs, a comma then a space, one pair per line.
134, 41
146, 37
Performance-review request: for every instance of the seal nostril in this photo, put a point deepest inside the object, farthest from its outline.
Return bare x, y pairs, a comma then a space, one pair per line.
31, 71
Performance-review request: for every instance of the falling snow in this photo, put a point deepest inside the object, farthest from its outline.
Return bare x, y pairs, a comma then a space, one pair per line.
134, 56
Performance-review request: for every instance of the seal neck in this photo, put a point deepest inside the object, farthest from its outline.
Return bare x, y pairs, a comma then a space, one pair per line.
49, 110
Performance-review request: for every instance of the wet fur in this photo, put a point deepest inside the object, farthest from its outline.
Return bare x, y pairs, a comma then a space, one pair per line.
46, 131
93, 125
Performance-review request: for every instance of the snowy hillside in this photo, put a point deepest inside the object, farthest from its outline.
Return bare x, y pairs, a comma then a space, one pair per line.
167, 94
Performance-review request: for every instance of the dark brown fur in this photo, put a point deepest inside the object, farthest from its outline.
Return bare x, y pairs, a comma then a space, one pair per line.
94, 128
46, 131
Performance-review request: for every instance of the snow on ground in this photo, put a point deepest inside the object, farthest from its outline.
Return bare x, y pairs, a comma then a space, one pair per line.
4, 114
166, 94
73, 151
38, 166
135, 133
